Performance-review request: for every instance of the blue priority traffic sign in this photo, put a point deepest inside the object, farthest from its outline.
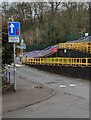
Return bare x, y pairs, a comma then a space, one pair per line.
13, 29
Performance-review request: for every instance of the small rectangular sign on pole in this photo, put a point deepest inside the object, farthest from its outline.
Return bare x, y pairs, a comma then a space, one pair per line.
86, 34
23, 46
13, 39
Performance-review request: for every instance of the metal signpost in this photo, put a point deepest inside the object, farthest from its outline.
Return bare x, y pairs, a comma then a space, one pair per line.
14, 33
22, 41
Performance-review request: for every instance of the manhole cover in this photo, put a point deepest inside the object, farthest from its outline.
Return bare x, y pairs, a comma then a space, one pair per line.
51, 82
37, 86
59, 80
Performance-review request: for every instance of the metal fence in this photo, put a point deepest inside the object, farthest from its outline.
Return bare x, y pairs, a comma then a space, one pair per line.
57, 61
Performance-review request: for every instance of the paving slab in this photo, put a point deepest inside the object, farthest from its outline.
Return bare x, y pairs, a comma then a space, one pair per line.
27, 93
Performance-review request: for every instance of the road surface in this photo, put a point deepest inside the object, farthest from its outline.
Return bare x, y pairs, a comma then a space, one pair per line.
71, 98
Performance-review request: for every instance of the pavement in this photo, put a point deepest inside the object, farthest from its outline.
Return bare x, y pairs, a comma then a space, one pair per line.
27, 93
0, 96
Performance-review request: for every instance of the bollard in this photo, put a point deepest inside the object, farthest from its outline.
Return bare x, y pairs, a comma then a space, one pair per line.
9, 77
6, 76
20, 59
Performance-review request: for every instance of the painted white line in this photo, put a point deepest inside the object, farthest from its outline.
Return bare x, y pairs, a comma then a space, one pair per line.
17, 65
72, 85
62, 86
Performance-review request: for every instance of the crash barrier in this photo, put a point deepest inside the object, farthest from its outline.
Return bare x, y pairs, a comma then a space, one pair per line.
78, 46
58, 61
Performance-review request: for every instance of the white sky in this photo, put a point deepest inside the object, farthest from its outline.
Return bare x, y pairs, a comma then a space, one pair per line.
46, 1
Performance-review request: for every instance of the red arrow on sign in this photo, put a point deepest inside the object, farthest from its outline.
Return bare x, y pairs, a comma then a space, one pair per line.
17, 32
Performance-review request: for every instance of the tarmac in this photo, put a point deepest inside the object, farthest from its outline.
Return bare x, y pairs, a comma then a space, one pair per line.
27, 93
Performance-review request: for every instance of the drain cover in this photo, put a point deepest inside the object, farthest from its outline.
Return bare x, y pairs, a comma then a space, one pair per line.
59, 80
51, 82
37, 86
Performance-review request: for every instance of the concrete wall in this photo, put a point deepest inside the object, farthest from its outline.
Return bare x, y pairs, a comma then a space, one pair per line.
78, 72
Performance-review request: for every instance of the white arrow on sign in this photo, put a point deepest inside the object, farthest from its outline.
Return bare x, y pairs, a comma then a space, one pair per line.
12, 26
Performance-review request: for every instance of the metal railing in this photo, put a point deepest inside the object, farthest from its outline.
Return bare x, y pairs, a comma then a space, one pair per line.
78, 46
57, 61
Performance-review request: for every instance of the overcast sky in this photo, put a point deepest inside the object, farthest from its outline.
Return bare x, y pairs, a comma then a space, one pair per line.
46, 0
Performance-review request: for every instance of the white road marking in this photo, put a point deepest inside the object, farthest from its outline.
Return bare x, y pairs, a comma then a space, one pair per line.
72, 85
62, 86
17, 65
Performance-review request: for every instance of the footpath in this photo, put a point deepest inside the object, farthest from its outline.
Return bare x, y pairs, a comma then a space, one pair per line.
27, 93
